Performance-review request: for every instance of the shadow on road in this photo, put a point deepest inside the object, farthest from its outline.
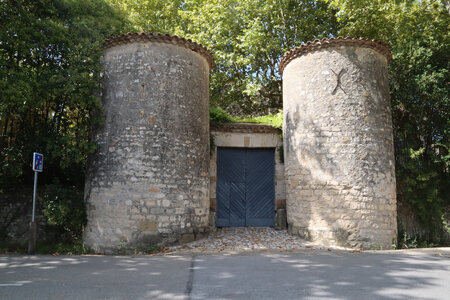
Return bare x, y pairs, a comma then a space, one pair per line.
323, 276
309, 275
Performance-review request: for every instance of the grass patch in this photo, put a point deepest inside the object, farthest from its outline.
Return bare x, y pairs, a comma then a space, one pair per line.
219, 116
275, 120
148, 250
13, 247
76, 248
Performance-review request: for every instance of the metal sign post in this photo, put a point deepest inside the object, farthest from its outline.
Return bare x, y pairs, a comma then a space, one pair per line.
38, 166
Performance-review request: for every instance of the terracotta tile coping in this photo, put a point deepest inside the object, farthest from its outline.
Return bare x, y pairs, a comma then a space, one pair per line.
144, 37
333, 42
245, 128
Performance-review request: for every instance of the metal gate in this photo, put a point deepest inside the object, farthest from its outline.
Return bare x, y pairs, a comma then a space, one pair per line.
245, 187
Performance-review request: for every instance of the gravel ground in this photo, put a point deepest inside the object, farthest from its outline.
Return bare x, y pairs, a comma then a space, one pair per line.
247, 239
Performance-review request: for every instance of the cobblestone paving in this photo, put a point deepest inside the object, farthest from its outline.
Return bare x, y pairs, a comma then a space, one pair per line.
246, 239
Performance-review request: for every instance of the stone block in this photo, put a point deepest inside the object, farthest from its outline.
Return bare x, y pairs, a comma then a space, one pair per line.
145, 226
281, 219
187, 238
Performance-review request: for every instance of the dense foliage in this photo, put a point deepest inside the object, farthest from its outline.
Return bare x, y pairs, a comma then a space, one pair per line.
247, 38
49, 73
64, 209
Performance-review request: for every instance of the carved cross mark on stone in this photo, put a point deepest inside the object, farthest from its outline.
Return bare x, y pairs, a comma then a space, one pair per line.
143, 89
338, 81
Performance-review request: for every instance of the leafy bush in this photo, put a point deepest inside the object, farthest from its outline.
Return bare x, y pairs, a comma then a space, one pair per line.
75, 248
11, 161
64, 208
219, 116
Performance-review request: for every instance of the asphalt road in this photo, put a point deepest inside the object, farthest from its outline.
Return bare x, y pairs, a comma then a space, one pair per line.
419, 274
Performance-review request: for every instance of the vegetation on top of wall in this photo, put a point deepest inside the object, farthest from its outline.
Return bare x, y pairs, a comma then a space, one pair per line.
219, 116
274, 120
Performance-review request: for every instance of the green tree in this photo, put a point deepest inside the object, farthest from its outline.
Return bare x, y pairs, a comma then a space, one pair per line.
418, 33
49, 72
153, 15
246, 37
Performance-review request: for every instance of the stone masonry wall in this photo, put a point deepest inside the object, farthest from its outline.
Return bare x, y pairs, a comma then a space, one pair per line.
148, 183
15, 215
339, 155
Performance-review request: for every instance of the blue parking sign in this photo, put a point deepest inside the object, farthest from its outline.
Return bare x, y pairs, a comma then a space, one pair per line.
38, 162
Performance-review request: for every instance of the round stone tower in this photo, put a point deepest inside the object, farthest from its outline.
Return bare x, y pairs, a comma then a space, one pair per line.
338, 143
148, 182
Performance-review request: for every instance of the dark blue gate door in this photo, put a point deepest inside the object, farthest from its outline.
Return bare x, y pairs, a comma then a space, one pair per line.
245, 187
